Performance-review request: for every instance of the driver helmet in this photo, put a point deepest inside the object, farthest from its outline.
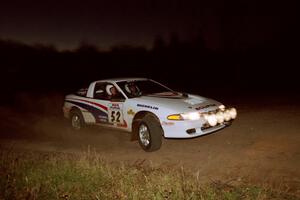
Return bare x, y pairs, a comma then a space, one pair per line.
108, 88
128, 85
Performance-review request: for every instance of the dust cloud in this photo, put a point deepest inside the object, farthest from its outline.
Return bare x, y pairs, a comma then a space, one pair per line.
262, 145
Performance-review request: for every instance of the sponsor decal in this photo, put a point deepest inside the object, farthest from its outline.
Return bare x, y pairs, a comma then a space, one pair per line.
114, 106
167, 123
147, 106
103, 118
130, 112
206, 106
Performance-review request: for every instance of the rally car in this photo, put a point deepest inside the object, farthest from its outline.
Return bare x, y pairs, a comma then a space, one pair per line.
147, 109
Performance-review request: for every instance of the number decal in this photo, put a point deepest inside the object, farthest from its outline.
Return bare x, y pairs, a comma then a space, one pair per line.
115, 116
118, 116
112, 116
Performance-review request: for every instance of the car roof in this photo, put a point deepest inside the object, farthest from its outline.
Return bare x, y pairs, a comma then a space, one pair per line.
121, 79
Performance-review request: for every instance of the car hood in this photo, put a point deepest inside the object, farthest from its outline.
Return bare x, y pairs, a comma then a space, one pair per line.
179, 103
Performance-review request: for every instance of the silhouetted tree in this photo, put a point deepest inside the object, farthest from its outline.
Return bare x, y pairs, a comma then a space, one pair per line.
174, 41
199, 41
86, 48
159, 44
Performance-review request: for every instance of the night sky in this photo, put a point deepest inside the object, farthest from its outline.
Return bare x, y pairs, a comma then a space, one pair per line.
67, 23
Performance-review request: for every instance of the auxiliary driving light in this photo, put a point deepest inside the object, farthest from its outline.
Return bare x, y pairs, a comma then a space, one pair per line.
222, 107
227, 115
212, 120
220, 117
233, 113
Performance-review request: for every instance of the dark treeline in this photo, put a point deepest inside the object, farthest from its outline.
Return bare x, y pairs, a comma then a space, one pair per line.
183, 65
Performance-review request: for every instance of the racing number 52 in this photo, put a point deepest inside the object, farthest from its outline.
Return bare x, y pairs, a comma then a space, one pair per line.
115, 116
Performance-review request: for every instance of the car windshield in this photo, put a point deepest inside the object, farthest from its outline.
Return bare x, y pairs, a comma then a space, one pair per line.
142, 87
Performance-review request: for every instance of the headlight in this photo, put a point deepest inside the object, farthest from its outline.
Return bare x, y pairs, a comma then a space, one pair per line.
186, 116
191, 116
233, 113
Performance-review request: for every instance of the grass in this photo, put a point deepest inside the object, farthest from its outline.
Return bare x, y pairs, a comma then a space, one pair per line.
86, 176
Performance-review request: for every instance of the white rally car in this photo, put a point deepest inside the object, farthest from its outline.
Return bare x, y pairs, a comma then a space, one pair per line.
147, 109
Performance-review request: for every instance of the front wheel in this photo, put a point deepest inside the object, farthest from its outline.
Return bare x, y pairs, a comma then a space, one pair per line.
150, 133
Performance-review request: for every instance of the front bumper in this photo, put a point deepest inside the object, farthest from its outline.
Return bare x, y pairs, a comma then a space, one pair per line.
190, 129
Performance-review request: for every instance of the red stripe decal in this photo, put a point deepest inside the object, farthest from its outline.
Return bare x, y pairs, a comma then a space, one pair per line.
96, 104
123, 125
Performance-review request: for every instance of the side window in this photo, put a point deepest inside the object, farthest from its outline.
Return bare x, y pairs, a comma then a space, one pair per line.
99, 92
82, 92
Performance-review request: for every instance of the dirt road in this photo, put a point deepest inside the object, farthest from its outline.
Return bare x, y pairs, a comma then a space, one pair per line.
262, 145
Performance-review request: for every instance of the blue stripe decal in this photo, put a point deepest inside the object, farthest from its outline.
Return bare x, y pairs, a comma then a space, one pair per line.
99, 115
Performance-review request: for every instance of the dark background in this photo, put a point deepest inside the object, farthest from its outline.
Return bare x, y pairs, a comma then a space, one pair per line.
217, 48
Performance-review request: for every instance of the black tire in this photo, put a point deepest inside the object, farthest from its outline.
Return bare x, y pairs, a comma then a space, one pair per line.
76, 115
153, 134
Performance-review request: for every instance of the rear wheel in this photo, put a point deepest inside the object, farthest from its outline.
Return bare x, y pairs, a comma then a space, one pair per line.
149, 133
77, 120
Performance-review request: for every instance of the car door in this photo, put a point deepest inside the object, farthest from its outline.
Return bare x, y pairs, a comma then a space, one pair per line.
111, 109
